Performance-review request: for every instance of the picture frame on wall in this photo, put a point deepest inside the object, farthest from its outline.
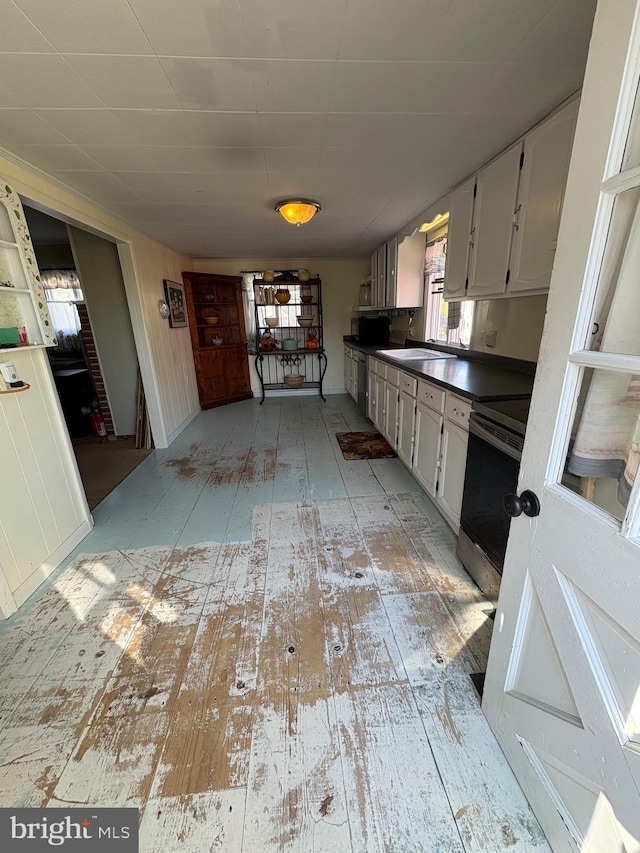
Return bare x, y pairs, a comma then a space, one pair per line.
174, 294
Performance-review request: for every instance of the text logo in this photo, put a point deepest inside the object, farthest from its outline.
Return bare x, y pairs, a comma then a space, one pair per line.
34, 830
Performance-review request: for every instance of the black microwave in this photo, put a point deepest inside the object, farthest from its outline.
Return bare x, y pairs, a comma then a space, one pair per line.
371, 331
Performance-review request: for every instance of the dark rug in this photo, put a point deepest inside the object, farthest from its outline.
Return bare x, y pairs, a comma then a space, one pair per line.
364, 445
104, 465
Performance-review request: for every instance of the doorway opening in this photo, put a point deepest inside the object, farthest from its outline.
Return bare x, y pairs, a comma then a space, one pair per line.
95, 365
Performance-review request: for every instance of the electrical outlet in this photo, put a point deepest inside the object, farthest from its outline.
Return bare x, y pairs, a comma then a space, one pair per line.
491, 338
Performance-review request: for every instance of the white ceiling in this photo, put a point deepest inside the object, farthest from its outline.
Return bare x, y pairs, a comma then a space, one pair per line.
190, 119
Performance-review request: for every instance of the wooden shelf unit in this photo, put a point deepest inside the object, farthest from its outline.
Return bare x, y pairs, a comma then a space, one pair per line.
222, 371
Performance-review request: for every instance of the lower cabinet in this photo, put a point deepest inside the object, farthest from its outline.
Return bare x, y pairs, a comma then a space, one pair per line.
351, 372
407, 385
371, 396
433, 428
347, 369
382, 398
406, 426
426, 453
428, 427
390, 430
379, 393
223, 376
453, 458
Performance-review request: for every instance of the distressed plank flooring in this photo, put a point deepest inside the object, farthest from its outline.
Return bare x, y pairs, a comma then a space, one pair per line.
263, 647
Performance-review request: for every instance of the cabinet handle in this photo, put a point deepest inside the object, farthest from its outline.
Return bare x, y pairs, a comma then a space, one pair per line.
515, 221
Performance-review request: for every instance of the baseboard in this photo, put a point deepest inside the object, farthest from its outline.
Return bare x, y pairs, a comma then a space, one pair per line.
182, 427
39, 575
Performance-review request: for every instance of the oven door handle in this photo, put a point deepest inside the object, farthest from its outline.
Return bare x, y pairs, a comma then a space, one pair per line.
486, 435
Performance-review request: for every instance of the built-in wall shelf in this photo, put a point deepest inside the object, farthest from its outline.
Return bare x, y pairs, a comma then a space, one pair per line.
24, 316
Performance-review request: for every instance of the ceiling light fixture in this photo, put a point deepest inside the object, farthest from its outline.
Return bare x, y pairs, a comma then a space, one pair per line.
298, 211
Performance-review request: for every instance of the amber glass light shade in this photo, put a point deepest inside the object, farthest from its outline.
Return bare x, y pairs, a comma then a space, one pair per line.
298, 211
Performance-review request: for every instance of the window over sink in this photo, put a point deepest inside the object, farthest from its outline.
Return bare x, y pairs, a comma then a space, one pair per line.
446, 322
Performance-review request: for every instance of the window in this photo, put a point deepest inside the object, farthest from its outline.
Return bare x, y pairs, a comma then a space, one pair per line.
445, 322
248, 302
62, 289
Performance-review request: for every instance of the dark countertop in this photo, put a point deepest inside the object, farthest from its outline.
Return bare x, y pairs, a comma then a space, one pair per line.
468, 377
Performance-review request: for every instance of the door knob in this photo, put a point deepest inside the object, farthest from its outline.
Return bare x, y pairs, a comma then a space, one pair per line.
526, 503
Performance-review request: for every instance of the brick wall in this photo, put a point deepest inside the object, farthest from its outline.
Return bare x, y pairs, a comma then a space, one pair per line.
94, 366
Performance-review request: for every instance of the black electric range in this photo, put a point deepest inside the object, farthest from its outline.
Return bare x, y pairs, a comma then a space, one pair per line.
512, 414
496, 437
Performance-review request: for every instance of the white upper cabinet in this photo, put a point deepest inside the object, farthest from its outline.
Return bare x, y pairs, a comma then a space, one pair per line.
458, 238
391, 283
397, 273
495, 204
547, 150
409, 291
379, 284
374, 276
502, 241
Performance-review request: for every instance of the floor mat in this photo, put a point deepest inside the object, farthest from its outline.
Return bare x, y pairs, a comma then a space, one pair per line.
364, 445
105, 464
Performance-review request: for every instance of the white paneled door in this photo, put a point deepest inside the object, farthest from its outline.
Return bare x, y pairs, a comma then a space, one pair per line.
563, 683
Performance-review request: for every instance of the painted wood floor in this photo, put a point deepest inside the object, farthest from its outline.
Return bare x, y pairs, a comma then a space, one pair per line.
265, 648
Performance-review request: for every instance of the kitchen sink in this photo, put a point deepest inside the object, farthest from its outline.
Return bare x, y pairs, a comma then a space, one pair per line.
414, 354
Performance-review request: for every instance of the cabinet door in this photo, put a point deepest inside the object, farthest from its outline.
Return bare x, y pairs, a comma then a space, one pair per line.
458, 237
410, 271
391, 416
222, 375
379, 286
452, 464
493, 216
374, 276
406, 424
380, 413
426, 450
391, 291
354, 377
371, 397
347, 369
547, 151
